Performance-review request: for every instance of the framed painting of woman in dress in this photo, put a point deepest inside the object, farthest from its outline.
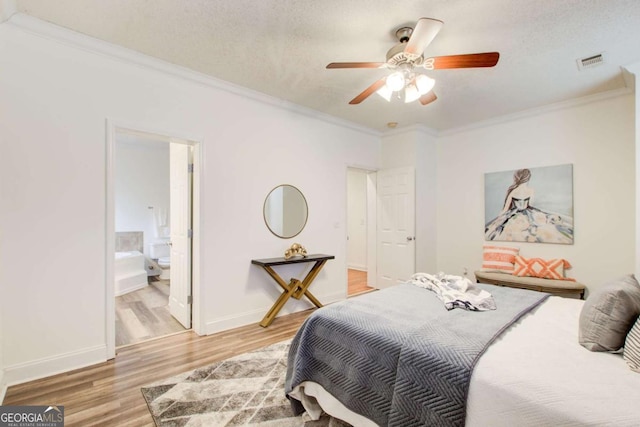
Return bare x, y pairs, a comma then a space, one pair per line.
530, 205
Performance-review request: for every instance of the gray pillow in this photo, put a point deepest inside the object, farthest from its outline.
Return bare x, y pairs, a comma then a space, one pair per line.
609, 313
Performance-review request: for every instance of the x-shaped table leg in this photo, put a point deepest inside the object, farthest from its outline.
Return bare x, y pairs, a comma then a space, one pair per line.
295, 288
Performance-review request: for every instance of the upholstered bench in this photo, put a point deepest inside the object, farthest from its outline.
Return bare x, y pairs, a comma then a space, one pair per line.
552, 286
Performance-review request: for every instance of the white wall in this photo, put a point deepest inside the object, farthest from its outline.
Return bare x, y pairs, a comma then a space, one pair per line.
141, 182
596, 137
7, 8
55, 99
3, 387
357, 219
634, 69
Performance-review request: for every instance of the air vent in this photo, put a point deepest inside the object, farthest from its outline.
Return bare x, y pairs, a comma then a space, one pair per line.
591, 61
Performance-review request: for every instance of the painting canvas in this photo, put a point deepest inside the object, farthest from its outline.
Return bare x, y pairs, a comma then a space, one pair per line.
530, 205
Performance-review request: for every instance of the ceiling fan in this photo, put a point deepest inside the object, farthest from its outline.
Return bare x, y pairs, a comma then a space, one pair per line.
406, 58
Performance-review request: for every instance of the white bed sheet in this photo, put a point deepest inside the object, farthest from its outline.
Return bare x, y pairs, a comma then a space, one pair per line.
536, 374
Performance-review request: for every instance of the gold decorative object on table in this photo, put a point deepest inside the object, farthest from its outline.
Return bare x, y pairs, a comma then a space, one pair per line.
295, 250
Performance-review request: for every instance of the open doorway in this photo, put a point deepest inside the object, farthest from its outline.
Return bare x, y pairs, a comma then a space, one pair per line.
360, 258
152, 223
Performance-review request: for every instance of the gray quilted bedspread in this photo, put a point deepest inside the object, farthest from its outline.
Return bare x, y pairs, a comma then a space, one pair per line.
397, 356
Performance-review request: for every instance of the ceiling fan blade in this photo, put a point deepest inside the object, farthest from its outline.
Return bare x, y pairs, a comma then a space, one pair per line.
425, 31
368, 91
472, 60
356, 65
428, 98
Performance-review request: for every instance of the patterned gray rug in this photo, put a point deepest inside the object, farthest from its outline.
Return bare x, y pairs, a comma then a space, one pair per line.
246, 390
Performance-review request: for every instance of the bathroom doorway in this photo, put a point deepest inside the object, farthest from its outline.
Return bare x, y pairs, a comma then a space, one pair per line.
153, 215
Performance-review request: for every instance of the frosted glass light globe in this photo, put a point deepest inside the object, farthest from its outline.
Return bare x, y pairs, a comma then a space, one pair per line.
395, 81
424, 83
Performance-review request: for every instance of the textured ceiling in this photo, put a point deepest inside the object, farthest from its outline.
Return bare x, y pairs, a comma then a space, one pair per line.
281, 48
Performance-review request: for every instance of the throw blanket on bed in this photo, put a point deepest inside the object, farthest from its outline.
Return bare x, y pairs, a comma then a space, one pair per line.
455, 291
397, 356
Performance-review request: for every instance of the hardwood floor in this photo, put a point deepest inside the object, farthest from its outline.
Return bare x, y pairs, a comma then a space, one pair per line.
357, 282
108, 394
144, 314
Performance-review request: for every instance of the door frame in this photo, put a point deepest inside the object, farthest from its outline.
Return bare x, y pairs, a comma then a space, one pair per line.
372, 260
112, 128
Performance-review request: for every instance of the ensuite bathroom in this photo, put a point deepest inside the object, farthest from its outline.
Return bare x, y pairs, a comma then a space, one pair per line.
142, 268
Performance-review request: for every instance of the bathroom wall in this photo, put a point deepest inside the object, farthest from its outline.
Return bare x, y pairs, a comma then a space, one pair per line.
141, 183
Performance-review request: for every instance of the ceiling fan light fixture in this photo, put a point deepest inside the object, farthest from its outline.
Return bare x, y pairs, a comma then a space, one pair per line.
406, 56
411, 93
385, 92
424, 83
395, 81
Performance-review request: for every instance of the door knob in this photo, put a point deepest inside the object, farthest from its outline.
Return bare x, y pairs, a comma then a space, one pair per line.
409, 238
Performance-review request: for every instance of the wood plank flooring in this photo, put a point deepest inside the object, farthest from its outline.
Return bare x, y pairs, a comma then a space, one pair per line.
108, 394
144, 314
357, 282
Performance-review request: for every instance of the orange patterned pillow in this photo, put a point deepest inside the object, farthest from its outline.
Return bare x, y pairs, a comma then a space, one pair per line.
499, 259
538, 267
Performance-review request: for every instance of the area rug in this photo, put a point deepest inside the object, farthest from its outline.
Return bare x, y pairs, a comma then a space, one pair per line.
246, 390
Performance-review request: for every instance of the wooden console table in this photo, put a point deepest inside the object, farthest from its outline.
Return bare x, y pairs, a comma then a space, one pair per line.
295, 288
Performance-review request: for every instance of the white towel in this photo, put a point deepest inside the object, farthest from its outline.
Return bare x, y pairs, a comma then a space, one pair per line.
161, 217
455, 291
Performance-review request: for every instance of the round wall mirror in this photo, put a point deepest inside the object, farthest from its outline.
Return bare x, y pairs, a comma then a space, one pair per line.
285, 211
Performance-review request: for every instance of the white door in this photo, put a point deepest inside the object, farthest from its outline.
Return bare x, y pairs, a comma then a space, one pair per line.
180, 202
396, 226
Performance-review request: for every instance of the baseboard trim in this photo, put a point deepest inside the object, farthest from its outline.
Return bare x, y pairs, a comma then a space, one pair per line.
37, 369
121, 292
357, 267
255, 316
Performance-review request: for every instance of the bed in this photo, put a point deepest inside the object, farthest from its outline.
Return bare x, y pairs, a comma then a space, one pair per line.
530, 372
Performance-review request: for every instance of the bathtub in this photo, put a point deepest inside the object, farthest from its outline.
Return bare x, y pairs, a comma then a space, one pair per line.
130, 274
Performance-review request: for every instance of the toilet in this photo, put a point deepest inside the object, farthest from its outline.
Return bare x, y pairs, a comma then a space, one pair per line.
160, 252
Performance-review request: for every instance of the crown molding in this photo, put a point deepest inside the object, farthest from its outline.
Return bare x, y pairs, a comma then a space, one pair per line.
76, 40
80, 41
413, 128
7, 9
540, 110
629, 72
